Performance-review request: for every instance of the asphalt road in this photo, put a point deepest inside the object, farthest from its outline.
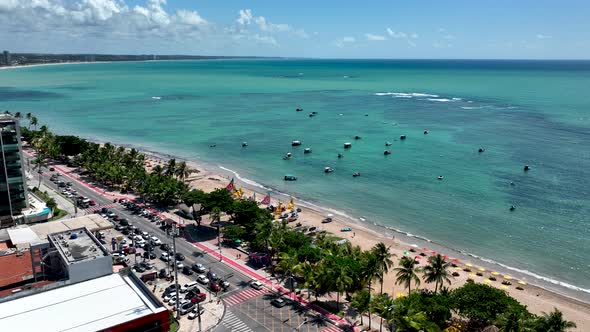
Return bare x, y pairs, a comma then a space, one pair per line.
256, 318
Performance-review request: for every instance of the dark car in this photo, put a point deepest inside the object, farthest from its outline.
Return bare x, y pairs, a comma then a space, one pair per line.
163, 273
125, 231
278, 302
146, 265
104, 210
139, 268
169, 289
165, 247
179, 257
187, 270
149, 255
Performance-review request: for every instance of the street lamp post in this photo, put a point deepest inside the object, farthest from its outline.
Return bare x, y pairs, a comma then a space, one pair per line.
392, 310
199, 314
300, 325
174, 231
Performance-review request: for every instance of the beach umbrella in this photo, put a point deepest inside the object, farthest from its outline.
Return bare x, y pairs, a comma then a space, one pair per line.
507, 277
522, 282
472, 275
425, 249
418, 257
406, 253
434, 253
504, 287
446, 257
495, 273
481, 269
400, 295
456, 260
458, 268
487, 280
469, 264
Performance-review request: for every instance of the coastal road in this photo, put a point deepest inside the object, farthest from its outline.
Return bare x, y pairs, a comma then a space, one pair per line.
251, 317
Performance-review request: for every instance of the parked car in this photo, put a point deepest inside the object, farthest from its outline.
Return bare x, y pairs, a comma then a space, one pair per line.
147, 265
179, 256
155, 241
278, 302
187, 270
256, 284
169, 289
198, 268
202, 279
149, 255
138, 268
164, 247
163, 273
186, 307
165, 257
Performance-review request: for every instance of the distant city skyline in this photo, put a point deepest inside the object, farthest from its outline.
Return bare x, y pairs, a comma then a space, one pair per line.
327, 29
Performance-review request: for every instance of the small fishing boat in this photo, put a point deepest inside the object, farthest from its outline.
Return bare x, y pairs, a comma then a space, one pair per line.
346, 229
480, 150
299, 110
402, 137
244, 144
356, 174
387, 143
387, 152
328, 170
340, 155
314, 112
328, 219
425, 132
357, 137
526, 168
290, 177
307, 150
287, 156
347, 145
311, 115
512, 208
440, 177
295, 143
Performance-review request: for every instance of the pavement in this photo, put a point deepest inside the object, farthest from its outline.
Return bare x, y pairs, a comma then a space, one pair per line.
238, 273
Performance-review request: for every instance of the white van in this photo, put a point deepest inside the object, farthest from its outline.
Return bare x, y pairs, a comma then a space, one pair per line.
187, 287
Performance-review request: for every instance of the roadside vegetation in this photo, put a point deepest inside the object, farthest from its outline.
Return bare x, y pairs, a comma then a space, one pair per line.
311, 264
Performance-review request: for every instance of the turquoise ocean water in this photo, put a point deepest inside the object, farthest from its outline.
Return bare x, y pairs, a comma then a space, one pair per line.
520, 112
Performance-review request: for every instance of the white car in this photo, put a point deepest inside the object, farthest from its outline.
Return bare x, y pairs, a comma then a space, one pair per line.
165, 257
169, 296
156, 241
179, 265
202, 279
194, 314
256, 285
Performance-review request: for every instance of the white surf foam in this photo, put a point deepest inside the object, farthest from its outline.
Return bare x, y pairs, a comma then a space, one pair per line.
406, 94
439, 99
156, 97
247, 181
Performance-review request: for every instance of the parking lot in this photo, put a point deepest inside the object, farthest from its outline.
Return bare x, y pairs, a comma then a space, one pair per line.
152, 260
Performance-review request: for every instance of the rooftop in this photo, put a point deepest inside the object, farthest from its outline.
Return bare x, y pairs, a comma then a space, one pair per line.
92, 222
15, 268
77, 245
91, 305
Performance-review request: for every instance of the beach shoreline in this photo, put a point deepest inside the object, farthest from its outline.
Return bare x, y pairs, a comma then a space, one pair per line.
537, 298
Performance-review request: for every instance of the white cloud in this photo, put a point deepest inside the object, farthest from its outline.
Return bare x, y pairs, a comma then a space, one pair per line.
190, 18
344, 40
409, 37
396, 35
245, 17
541, 36
372, 37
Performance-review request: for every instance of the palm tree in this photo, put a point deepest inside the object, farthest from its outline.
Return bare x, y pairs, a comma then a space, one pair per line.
306, 270
40, 162
340, 281
437, 271
288, 265
170, 168
554, 322
28, 116
157, 169
406, 273
18, 115
182, 171
33, 122
384, 262
360, 302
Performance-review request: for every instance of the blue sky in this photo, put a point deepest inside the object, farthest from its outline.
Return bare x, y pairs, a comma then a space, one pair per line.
330, 29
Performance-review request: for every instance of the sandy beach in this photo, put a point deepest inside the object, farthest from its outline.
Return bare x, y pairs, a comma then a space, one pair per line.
537, 299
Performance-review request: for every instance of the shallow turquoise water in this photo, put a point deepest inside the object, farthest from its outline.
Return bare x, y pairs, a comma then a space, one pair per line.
535, 113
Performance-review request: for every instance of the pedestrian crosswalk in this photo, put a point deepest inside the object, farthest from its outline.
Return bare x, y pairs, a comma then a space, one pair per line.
243, 296
331, 329
98, 207
234, 324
